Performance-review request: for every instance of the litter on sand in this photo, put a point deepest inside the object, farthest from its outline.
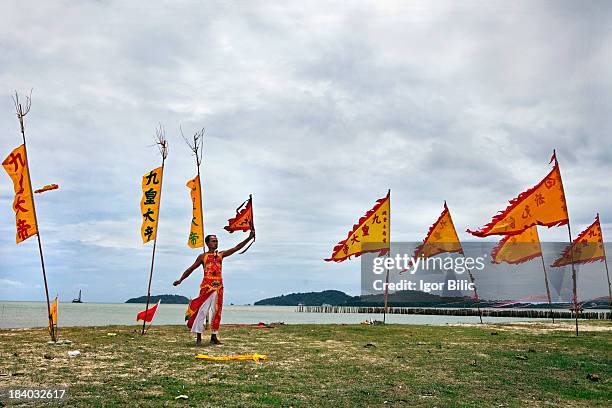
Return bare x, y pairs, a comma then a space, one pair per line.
74, 353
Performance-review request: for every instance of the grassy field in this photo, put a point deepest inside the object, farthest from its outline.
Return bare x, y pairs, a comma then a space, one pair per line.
322, 365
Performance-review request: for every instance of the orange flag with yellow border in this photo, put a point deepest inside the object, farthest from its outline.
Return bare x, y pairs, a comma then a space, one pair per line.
243, 219
149, 204
587, 247
372, 228
544, 204
519, 248
441, 238
16, 166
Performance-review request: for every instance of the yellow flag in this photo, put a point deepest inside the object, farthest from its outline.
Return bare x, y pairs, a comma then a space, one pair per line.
587, 247
196, 234
441, 238
516, 249
54, 311
544, 204
149, 204
372, 228
17, 168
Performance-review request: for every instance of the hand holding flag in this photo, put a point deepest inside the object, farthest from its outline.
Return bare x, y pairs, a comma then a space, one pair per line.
243, 221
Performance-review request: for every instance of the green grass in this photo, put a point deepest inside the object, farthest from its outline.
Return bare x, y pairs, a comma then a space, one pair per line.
320, 365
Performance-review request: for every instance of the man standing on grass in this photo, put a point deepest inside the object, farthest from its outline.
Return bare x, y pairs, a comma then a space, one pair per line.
211, 288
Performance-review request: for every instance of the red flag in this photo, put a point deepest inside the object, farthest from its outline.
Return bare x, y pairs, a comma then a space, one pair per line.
148, 314
243, 219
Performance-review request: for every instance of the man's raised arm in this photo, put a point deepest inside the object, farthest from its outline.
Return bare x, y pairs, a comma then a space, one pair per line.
188, 271
241, 245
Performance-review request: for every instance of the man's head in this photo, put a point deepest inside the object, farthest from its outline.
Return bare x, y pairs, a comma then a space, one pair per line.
211, 242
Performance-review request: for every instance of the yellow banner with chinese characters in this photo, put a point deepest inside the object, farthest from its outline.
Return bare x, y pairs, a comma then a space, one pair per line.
149, 204
196, 234
441, 238
519, 248
372, 228
17, 168
586, 248
544, 204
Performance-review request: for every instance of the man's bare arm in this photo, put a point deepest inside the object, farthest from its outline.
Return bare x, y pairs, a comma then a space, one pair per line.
241, 245
188, 271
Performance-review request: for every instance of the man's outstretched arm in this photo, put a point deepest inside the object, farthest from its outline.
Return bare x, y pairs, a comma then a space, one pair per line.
188, 271
241, 245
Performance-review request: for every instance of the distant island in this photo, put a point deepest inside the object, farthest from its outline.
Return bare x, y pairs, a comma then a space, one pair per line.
167, 299
405, 298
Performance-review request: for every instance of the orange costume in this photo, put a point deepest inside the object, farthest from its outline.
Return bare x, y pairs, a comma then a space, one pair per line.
211, 294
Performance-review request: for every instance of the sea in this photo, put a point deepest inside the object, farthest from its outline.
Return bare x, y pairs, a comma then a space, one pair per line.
33, 314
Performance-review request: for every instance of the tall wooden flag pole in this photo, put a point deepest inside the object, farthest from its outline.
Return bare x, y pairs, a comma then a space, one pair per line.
442, 238
569, 232
196, 147
388, 255
609, 285
552, 315
475, 290
574, 288
519, 248
21, 113
162, 144
603, 247
373, 229
543, 204
586, 248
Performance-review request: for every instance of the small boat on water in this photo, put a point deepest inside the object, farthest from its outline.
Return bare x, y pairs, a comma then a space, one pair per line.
78, 300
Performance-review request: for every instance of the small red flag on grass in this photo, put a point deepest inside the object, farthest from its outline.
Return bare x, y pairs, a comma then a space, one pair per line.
148, 314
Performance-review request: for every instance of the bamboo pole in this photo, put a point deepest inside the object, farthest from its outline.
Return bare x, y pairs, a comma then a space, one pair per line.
574, 288
388, 256
163, 148
552, 316
20, 115
198, 162
196, 148
547, 286
475, 290
569, 232
603, 246
609, 288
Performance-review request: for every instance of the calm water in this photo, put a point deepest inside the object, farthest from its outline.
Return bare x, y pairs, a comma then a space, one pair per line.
33, 314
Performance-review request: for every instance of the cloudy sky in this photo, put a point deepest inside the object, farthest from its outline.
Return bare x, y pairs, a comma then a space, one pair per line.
317, 109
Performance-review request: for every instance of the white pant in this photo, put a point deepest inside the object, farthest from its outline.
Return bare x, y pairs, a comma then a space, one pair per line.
200, 320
